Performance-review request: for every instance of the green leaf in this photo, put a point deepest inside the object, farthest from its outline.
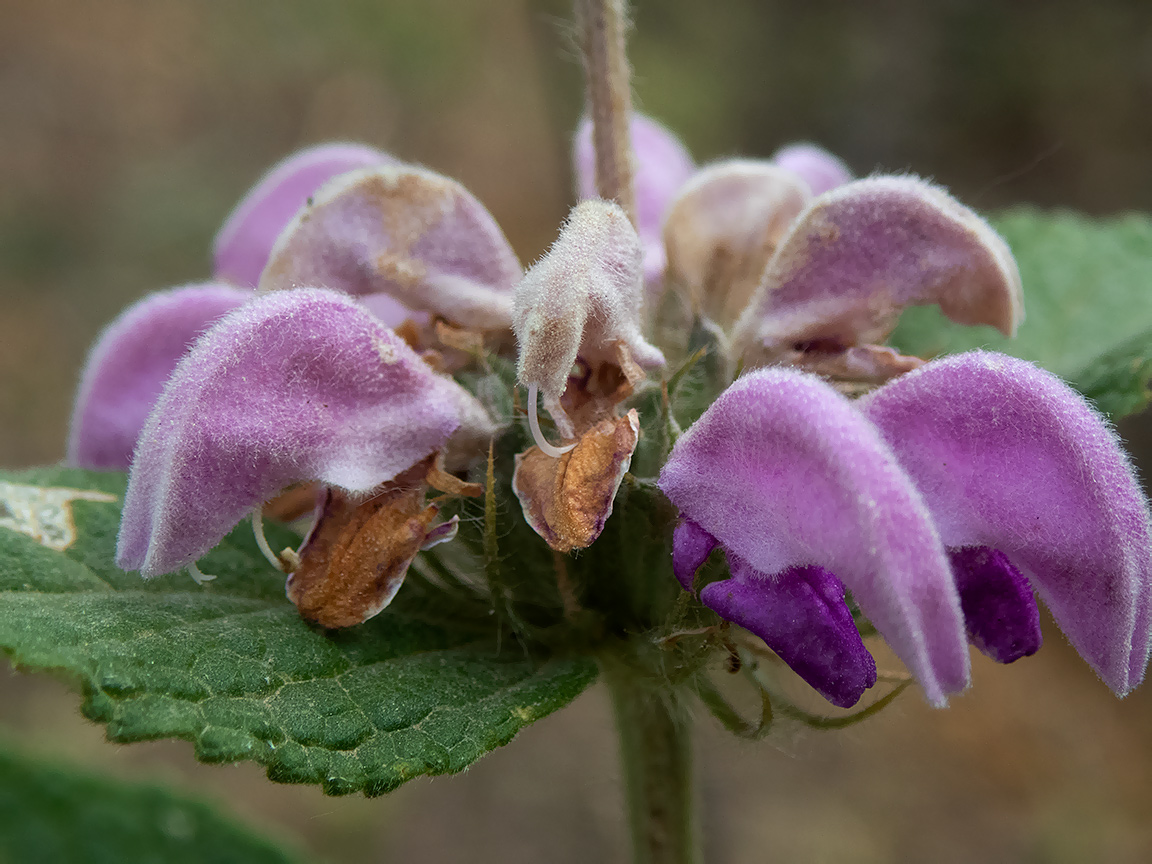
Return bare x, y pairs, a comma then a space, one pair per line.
231, 667
1088, 302
51, 815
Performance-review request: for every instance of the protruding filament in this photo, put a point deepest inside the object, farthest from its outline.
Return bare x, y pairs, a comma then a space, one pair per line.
198, 577
537, 435
262, 541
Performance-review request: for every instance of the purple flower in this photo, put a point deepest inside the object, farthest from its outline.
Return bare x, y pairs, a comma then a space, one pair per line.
1025, 481
134, 355
790, 261
665, 172
303, 385
940, 501
859, 254
805, 498
405, 233
342, 216
580, 304
582, 300
245, 240
129, 363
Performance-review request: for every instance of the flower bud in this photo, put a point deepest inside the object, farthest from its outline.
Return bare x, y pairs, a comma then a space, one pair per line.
583, 300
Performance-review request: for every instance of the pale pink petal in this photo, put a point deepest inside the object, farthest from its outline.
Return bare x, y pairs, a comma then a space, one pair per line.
862, 252
583, 300
406, 232
302, 385
818, 168
245, 241
129, 363
723, 228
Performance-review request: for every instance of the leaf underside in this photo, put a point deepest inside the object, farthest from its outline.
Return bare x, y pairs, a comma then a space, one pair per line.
232, 668
51, 815
1088, 298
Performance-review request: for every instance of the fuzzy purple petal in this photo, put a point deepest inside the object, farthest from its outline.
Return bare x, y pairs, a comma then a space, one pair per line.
784, 472
1009, 457
245, 241
302, 385
862, 252
999, 610
691, 546
816, 166
662, 166
129, 363
801, 615
406, 232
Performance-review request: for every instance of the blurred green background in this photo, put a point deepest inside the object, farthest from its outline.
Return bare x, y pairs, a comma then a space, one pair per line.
129, 128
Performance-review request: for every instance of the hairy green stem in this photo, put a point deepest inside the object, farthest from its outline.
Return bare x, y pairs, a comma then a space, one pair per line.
655, 732
602, 24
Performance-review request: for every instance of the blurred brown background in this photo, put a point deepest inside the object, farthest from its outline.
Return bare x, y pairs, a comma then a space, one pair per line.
129, 128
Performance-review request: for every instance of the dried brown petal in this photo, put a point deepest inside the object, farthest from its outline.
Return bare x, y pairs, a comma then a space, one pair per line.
449, 484
568, 499
355, 559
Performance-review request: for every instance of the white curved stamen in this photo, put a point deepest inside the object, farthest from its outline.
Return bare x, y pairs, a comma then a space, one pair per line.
262, 541
198, 577
537, 435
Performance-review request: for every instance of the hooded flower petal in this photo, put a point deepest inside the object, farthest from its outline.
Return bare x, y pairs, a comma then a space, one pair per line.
662, 166
784, 472
816, 166
245, 241
865, 250
582, 299
801, 615
723, 228
298, 385
1008, 457
414, 235
127, 367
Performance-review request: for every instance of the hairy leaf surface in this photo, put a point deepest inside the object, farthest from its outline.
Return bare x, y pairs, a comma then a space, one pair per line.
230, 666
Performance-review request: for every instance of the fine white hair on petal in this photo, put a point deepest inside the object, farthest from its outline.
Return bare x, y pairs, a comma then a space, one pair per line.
861, 252
290, 387
582, 299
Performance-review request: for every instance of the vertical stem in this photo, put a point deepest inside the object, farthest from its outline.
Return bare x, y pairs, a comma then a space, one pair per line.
602, 24
656, 755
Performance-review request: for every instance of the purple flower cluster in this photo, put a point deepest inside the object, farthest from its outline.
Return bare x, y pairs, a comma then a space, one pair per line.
941, 498
941, 501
